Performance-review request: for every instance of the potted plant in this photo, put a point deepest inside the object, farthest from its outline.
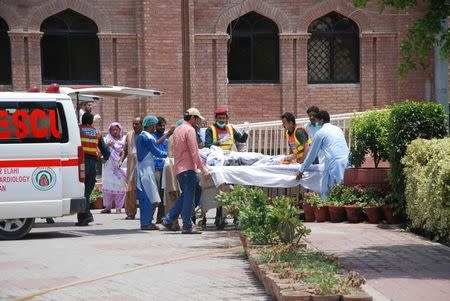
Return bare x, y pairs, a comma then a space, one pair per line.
387, 208
369, 139
96, 199
353, 211
320, 208
308, 209
371, 201
336, 201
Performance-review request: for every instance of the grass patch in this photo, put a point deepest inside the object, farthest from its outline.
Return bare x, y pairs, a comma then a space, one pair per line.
321, 274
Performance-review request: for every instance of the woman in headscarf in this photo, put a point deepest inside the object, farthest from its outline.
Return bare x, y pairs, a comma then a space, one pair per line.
114, 178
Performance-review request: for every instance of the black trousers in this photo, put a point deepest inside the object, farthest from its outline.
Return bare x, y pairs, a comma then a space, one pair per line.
90, 164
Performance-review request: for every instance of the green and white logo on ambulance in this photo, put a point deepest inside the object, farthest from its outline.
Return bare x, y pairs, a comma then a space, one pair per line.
43, 178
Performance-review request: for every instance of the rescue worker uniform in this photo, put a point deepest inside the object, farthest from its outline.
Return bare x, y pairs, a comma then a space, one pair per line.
296, 139
91, 141
225, 137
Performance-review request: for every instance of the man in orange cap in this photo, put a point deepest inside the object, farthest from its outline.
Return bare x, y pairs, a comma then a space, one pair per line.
222, 134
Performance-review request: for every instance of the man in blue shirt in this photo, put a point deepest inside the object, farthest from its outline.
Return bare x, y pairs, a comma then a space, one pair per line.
331, 141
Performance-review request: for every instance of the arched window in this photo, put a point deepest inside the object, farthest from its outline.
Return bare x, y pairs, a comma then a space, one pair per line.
70, 49
333, 50
5, 54
253, 54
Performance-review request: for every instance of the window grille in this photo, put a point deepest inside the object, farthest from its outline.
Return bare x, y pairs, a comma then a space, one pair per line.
333, 50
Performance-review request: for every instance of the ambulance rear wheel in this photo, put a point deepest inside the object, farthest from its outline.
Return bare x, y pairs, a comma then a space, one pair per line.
15, 228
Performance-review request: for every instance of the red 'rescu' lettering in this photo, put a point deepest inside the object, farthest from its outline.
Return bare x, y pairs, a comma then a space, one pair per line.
34, 123
53, 128
19, 117
4, 124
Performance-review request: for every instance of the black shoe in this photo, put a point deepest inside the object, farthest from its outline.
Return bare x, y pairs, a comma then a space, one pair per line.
131, 216
168, 226
50, 220
85, 222
191, 231
202, 223
150, 227
220, 223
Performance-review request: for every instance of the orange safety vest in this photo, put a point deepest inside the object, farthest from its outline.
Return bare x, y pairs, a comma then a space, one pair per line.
218, 134
295, 145
89, 139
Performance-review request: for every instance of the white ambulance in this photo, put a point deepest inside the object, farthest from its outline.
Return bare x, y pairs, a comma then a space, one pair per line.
41, 159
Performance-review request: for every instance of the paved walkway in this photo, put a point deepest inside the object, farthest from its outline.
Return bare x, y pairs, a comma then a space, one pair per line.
112, 260
399, 265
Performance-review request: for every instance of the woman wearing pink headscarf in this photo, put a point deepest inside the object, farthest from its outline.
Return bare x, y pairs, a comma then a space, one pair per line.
114, 178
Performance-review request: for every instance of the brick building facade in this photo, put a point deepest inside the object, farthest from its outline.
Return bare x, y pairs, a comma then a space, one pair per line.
181, 47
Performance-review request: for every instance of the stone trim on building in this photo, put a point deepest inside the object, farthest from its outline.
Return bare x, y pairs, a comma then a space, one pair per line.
261, 7
342, 7
81, 6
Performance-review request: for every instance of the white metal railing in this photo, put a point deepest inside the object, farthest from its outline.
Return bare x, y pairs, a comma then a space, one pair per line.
269, 137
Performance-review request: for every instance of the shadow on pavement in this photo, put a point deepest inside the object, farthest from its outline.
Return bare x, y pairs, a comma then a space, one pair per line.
80, 232
400, 261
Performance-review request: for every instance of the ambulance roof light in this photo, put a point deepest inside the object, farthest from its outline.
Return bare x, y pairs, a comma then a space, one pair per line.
34, 89
53, 88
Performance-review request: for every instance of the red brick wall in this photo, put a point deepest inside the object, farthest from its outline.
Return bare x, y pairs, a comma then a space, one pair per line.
141, 46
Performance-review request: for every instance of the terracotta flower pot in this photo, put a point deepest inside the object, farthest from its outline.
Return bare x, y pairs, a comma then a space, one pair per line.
309, 212
98, 204
321, 214
353, 213
388, 214
337, 214
373, 214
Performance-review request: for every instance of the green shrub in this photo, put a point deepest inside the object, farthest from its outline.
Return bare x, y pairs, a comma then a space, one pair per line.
290, 228
255, 217
264, 221
341, 195
409, 121
368, 135
314, 199
233, 200
95, 194
371, 197
427, 172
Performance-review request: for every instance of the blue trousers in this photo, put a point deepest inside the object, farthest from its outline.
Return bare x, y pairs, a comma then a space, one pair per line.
188, 181
146, 208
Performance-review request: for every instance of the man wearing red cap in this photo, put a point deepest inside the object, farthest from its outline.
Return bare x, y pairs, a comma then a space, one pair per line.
221, 133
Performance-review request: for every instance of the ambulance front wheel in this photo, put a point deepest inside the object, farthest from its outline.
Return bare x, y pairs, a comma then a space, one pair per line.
15, 228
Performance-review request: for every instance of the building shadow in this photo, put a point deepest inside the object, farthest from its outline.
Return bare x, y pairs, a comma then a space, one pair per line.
412, 261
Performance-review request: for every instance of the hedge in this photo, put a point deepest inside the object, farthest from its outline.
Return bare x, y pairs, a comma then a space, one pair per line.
368, 133
427, 191
408, 121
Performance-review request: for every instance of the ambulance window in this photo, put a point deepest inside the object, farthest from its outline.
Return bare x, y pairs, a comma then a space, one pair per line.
32, 122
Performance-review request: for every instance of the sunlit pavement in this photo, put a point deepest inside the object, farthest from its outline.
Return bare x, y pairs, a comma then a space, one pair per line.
113, 260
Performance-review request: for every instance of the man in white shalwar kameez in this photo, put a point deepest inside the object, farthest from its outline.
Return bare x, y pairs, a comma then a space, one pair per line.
330, 140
